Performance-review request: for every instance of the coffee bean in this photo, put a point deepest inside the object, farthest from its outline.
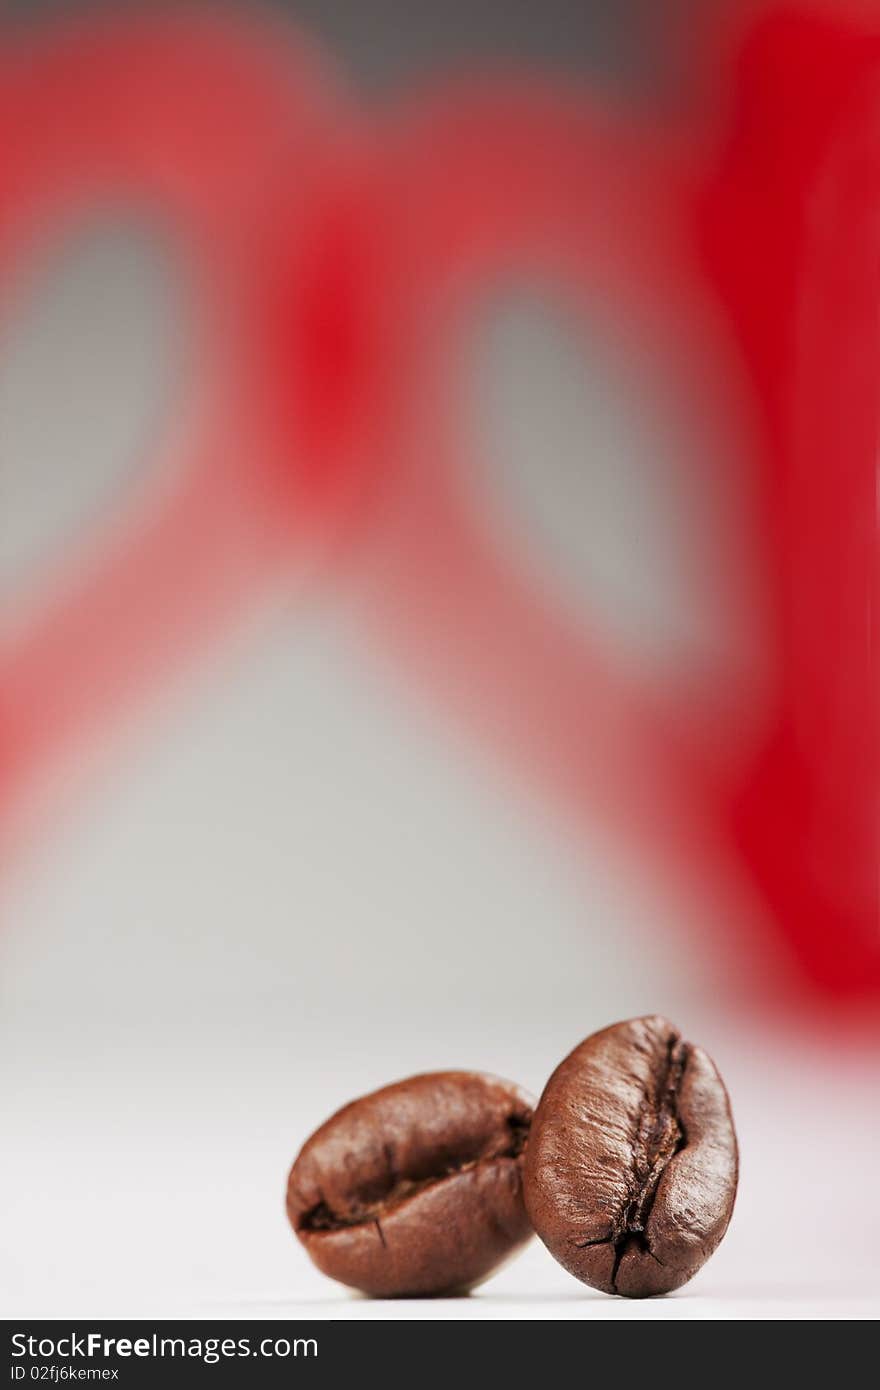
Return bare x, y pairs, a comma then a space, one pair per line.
417, 1188
631, 1168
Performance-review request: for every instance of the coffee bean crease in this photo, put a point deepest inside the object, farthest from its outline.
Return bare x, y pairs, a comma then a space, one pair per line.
321, 1217
416, 1188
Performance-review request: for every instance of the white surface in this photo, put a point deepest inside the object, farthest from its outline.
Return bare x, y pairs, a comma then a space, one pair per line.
298, 895
148, 1181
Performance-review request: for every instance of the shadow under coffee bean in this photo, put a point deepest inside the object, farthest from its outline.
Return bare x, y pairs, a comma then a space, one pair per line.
631, 1165
417, 1188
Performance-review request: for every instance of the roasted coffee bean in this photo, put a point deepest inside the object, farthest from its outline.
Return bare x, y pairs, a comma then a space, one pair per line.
631, 1168
417, 1188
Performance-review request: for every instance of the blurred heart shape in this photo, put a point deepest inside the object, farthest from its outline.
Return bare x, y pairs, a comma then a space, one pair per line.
488, 184
189, 123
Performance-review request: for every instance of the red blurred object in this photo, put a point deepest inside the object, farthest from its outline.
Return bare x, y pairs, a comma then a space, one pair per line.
484, 184
333, 276
777, 220
791, 237
194, 122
